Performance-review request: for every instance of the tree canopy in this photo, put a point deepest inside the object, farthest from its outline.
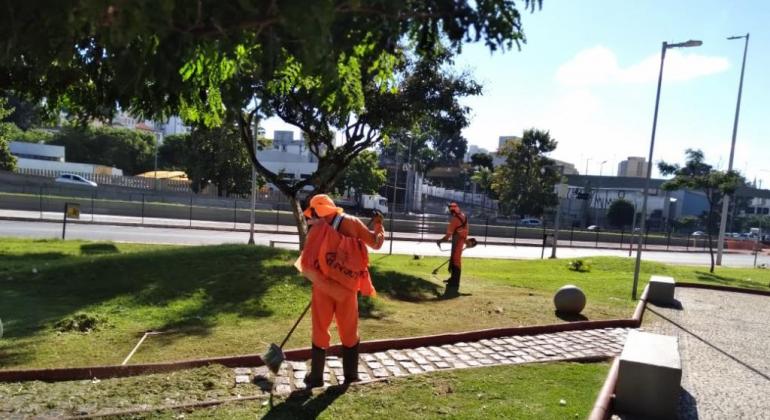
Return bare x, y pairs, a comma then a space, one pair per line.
620, 213
129, 150
363, 175
320, 66
7, 160
697, 175
525, 182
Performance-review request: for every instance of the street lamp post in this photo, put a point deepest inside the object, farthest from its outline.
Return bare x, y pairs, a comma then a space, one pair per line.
601, 167
587, 160
558, 213
726, 200
664, 47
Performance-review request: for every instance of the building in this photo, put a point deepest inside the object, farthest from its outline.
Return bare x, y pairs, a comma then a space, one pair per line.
472, 150
288, 156
569, 168
35, 158
635, 167
502, 140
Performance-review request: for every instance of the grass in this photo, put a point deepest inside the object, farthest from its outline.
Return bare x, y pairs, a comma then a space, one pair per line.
515, 391
236, 299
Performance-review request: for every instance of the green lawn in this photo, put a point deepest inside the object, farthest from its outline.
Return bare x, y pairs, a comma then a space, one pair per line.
516, 392
235, 299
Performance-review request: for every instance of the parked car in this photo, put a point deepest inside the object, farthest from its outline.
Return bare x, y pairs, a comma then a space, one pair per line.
698, 233
74, 179
530, 222
594, 228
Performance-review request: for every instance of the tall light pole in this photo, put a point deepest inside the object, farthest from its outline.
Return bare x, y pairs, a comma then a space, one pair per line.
395, 191
601, 167
664, 47
726, 200
558, 212
587, 160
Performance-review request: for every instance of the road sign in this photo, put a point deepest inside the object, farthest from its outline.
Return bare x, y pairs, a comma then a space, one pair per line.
73, 211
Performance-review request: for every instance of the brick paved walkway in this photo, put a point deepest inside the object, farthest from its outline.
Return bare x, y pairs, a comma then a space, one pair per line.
499, 351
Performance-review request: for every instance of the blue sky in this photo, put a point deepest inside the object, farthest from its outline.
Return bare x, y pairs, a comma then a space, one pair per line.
588, 74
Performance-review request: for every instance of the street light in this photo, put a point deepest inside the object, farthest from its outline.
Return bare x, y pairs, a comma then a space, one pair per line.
728, 198
601, 167
558, 212
664, 47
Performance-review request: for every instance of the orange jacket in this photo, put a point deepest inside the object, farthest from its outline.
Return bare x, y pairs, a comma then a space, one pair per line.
321, 255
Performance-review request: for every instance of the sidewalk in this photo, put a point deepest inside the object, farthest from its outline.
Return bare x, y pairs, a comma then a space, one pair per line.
569, 345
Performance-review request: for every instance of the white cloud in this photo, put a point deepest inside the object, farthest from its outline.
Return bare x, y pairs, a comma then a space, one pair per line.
599, 66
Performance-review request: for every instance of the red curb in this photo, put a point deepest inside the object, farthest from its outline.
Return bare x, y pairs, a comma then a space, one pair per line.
255, 360
640, 307
603, 402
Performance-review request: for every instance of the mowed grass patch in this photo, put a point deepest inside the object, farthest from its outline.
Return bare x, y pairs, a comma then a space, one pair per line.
530, 391
236, 299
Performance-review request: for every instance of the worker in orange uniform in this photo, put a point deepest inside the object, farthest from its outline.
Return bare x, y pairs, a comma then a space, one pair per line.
457, 230
330, 299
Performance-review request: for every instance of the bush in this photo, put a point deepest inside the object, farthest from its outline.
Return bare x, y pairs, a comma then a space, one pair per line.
580, 266
81, 322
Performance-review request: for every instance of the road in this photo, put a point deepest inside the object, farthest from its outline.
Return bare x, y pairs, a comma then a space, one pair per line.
202, 236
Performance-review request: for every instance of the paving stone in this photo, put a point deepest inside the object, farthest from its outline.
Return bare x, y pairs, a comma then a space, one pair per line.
368, 357
395, 370
408, 365
242, 371
380, 373
420, 360
434, 358
299, 365
364, 376
299, 374
282, 380
486, 361
427, 368
460, 365
374, 365
472, 363
414, 370
242, 379
299, 384
442, 365
334, 363
283, 389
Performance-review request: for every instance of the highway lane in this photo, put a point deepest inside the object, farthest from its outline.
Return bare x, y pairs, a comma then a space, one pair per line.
181, 236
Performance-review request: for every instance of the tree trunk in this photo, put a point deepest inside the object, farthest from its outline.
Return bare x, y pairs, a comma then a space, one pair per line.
299, 219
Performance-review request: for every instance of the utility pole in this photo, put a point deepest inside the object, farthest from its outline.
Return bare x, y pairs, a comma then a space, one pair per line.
393, 208
727, 198
558, 212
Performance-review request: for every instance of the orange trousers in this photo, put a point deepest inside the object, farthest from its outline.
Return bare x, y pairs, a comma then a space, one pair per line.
344, 311
458, 242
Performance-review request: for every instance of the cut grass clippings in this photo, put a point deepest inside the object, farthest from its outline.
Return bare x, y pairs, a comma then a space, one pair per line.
225, 300
532, 391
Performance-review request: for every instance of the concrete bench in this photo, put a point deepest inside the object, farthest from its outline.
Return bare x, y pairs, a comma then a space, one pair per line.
649, 376
661, 291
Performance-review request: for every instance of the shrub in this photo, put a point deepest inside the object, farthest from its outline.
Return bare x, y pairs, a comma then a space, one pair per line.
580, 266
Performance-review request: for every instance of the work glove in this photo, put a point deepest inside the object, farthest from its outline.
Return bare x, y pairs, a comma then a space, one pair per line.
438, 243
378, 217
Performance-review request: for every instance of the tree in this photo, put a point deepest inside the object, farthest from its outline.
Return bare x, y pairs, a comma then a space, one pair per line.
482, 160
173, 153
7, 160
321, 66
620, 213
525, 182
216, 155
483, 176
26, 114
129, 150
363, 175
697, 175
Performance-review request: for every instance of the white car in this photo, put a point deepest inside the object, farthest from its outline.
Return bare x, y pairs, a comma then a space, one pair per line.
530, 222
74, 179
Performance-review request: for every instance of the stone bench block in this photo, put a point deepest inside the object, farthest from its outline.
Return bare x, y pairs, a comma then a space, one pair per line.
661, 290
649, 376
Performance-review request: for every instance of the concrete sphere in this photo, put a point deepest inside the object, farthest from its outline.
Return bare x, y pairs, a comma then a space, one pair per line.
569, 300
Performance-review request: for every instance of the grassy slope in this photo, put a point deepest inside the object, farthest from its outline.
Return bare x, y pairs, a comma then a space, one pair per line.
235, 299
524, 391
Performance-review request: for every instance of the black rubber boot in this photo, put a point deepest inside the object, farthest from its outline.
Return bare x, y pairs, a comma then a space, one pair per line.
315, 377
453, 284
350, 364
